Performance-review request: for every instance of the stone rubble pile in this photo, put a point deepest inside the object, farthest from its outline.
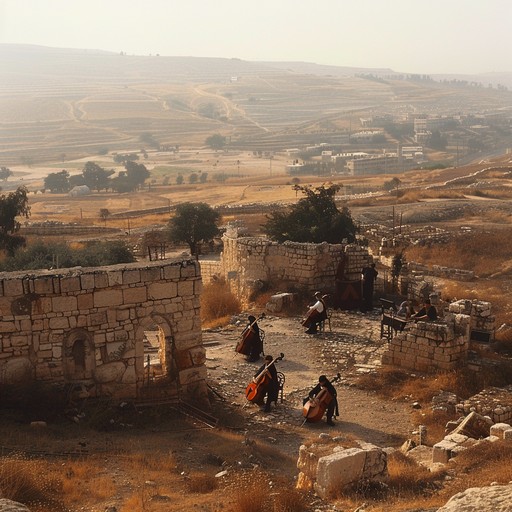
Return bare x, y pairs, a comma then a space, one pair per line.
328, 473
472, 430
493, 402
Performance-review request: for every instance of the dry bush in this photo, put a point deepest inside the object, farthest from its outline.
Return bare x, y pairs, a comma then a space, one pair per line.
217, 301
253, 497
289, 500
201, 483
30, 482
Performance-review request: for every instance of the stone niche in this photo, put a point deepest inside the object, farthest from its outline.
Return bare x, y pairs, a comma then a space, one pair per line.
89, 328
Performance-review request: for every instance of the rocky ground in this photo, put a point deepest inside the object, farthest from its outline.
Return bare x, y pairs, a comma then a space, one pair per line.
352, 346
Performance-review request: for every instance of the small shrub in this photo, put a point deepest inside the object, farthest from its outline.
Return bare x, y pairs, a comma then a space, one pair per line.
252, 498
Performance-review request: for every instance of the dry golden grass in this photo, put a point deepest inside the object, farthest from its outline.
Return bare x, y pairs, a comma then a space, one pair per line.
31, 482
218, 303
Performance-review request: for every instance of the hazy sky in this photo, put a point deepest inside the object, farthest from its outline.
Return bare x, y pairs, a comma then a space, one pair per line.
417, 36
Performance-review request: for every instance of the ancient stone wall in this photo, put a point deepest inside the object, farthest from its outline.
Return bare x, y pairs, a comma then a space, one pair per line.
249, 263
86, 327
427, 346
444, 344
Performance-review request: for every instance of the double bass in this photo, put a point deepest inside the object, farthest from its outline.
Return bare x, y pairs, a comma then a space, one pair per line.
248, 337
255, 390
314, 409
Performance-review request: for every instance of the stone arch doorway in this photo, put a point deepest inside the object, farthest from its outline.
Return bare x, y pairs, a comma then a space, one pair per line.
79, 362
157, 367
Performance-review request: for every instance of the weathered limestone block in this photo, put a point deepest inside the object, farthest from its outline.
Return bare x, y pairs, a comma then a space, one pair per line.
442, 451
131, 276
279, 302
188, 358
135, 295
158, 291
115, 278
109, 372
108, 298
87, 281
150, 274
64, 303
497, 498
130, 375
499, 429
69, 284
338, 470
307, 462
16, 370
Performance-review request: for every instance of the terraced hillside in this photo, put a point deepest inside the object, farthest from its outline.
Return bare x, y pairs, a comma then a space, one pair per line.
56, 103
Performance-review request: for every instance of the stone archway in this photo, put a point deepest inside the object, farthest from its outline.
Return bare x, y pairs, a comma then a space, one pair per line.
154, 342
78, 360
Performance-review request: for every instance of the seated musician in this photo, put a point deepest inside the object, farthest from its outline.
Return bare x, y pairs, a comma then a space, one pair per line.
272, 389
426, 313
317, 313
332, 407
255, 343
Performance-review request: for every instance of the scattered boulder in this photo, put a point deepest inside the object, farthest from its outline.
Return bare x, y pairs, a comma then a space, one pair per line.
497, 498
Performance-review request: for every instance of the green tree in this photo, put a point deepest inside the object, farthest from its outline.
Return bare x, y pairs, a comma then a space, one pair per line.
203, 177
314, 218
57, 182
193, 223
192, 178
5, 173
131, 179
12, 205
95, 177
216, 141
179, 179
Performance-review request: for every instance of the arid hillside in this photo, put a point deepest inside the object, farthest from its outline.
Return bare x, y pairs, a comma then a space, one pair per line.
62, 104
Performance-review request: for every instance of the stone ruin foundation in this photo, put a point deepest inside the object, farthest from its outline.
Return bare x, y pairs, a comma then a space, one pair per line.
443, 344
88, 329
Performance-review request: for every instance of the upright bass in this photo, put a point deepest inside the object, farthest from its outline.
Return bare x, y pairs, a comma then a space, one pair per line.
248, 337
255, 390
315, 407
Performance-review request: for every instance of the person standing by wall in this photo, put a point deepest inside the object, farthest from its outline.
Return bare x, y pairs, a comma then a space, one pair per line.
369, 276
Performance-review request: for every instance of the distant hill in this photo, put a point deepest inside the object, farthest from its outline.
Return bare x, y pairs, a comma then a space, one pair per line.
74, 103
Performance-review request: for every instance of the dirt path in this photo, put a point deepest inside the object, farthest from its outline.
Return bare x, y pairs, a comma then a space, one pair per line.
352, 347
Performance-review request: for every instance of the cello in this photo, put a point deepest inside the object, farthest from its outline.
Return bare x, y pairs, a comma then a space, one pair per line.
315, 407
248, 337
314, 316
255, 390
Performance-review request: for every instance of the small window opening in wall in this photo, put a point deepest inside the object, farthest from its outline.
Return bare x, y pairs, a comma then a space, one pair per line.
78, 353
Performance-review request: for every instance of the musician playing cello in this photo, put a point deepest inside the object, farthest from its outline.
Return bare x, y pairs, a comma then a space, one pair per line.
255, 344
332, 406
317, 313
271, 391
